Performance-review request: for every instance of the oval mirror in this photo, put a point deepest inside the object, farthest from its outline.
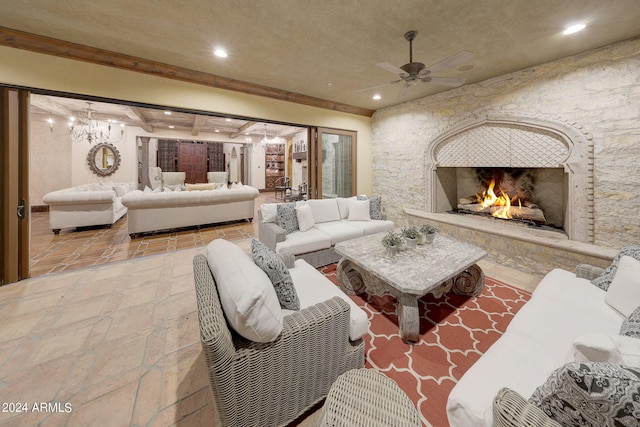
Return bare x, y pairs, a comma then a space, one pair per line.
103, 159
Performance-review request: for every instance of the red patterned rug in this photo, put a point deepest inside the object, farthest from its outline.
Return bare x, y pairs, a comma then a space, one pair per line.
454, 332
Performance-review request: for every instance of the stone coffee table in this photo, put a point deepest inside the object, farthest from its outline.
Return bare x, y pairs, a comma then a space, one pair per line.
444, 265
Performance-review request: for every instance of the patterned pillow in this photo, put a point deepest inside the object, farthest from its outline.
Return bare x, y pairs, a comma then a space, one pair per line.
287, 218
375, 206
278, 273
631, 325
604, 280
591, 394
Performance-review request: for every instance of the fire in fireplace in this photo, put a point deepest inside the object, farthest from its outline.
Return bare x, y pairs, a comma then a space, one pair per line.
504, 193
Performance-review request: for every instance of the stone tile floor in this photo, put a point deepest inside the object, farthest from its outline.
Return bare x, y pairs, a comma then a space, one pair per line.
115, 343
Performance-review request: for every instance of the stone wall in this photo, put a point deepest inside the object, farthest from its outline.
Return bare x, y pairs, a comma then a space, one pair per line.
597, 91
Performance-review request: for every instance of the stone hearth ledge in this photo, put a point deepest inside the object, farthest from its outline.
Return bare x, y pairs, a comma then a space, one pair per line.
533, 251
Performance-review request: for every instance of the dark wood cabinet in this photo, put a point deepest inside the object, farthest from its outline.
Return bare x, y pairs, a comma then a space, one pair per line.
273, 165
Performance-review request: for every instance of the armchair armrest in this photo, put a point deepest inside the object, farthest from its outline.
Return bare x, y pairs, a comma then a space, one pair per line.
270, 233
587, 271
512, 410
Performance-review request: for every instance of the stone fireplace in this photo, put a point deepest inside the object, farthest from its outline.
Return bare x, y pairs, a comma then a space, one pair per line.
549, 159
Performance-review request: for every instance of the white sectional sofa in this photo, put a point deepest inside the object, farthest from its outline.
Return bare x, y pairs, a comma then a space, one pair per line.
87, 205
332, 223
566, 311
151, 211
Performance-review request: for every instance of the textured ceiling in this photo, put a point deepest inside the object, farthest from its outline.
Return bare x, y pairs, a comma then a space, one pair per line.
329, 49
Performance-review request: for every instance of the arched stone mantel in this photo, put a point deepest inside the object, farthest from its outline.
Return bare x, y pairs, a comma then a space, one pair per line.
505, 139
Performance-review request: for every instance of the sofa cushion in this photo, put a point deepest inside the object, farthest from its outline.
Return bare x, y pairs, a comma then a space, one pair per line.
269, 212
300, 242
305, 217
200, 187
247, 296
343, 206
277, 272
631, 325
287, 218
359, 210
372, 227
624, 291
375, 206
324, 210
312, 287
339, 231
604, 280
591, 394
602, 347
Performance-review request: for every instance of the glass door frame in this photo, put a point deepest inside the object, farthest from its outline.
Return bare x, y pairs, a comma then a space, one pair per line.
315, 159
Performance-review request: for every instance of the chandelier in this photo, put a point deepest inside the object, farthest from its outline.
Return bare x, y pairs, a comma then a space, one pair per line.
266, 140
88, 127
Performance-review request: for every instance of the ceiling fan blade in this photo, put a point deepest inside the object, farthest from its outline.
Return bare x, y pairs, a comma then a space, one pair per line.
445, 81
392, 68
403, 92
377, 86
451, 61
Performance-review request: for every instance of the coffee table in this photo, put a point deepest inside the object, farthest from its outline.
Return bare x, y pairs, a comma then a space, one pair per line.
436, 268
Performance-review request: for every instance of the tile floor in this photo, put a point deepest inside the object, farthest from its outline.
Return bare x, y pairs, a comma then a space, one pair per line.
115, 340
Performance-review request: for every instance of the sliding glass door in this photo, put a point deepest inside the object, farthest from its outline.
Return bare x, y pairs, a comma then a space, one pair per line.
334, 158
14, 185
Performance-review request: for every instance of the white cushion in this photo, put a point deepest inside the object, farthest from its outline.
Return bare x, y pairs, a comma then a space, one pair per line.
305, 217
602, 347
359, 210
324, 210
312, 287
343, 206
269, 212
624, 292
339, 231
373, 226
247, 296
300, 242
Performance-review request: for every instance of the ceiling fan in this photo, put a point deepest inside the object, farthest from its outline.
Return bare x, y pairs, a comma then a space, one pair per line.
415, 72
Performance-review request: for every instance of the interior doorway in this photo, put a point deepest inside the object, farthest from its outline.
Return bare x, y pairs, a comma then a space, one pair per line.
334, 163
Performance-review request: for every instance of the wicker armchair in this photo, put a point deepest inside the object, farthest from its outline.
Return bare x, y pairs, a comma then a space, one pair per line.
271, 384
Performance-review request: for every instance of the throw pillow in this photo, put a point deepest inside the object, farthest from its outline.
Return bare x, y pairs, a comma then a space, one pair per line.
631, 325
624, 291
269, 212
603, 347
278, 273
359, 210
375, 206
591, 394
604, 280
287, 218
247, 296
121, 190
200, 187
304, 214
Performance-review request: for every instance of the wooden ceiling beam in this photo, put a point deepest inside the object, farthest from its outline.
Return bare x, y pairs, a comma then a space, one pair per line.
35, 43
198, 122
50, 106
247, 127
137, 117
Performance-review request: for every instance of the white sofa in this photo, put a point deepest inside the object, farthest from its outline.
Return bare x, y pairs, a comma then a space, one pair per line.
87, 205
539, 340
151, 211
332, 224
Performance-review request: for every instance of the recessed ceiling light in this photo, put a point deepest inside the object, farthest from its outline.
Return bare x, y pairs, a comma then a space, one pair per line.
377, 96
220, 53
217, 131
574, 29
168, 113
171, 126
227, 120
